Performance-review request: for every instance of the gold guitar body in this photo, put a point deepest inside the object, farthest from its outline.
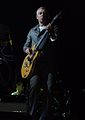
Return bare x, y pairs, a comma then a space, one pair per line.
28, 65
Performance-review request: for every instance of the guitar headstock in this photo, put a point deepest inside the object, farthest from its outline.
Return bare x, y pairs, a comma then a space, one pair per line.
56, 17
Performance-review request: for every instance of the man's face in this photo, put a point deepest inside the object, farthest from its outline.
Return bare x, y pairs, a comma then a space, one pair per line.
41, 15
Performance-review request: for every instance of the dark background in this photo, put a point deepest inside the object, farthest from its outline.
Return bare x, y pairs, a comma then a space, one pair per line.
74, 53
70, 49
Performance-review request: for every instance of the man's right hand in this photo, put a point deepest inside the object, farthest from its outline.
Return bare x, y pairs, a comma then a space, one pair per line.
29, 51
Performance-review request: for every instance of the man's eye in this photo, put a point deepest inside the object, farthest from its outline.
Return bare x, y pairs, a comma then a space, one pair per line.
40, 13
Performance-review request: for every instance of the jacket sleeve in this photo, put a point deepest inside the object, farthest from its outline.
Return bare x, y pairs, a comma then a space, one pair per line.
54, 34
28, 42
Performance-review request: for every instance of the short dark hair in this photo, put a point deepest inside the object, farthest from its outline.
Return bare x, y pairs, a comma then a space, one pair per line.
42, 7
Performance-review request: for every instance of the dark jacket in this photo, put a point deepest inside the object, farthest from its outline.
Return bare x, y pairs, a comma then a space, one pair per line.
47, 57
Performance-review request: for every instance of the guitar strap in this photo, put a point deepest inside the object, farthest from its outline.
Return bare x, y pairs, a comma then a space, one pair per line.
42, 41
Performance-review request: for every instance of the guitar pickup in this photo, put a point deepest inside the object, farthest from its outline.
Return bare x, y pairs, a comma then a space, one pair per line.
25, 64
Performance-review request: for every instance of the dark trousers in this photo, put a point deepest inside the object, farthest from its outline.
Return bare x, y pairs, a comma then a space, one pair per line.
37, 84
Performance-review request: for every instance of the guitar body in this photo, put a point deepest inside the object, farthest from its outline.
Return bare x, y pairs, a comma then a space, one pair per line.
28, 65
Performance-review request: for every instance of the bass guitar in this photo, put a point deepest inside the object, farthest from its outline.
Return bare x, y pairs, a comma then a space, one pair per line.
29, 61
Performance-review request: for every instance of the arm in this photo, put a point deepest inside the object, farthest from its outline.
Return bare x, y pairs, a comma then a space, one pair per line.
28, 44
53, 32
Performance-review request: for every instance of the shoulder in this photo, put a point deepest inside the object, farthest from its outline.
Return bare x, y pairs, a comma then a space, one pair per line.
34, 28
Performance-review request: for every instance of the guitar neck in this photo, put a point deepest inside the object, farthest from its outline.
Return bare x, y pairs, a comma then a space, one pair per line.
44, 37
